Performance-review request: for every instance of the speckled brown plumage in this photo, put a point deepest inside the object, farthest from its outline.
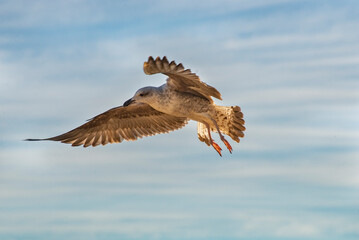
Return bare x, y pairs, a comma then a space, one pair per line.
154, 110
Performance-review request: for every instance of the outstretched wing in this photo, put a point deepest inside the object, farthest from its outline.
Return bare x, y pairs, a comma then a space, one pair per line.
180, 79
121, 123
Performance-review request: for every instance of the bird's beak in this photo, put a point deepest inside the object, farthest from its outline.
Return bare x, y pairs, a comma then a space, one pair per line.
128, 102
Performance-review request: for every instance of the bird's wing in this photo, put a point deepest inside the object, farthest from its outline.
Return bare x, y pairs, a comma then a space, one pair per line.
121, 123
180, 79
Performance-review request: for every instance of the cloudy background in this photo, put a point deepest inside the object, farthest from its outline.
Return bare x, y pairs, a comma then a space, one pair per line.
292, 66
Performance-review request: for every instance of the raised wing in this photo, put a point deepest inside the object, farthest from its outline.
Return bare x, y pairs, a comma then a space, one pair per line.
121, 123
179, 78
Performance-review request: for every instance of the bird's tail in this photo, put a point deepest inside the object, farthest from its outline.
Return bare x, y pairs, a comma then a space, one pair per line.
230, 122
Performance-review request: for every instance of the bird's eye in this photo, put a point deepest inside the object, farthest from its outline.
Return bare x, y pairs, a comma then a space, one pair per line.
143, 94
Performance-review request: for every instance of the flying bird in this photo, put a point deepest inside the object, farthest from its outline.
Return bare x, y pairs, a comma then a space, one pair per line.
155, 110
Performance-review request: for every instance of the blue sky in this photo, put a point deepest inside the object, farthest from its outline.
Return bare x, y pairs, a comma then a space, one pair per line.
292, 66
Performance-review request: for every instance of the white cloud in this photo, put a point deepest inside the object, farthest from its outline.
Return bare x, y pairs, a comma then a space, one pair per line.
21, 13
280, 41
179, 225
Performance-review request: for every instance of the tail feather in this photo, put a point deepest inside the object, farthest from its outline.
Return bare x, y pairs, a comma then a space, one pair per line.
230, 122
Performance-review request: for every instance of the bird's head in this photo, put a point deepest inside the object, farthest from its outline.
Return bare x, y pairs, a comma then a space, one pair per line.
143, 95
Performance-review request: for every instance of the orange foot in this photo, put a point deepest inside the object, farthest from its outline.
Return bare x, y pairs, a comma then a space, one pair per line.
228, 145
218, 148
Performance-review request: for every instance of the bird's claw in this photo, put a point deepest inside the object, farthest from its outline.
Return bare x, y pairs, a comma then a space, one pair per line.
228, 145
217, 148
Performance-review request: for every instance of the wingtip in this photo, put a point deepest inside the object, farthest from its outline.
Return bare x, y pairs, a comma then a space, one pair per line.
32, 139
158, 58
150, 59
147, 65
153, 66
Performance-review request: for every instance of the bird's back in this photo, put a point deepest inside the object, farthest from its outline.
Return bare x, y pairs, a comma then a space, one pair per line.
182, 104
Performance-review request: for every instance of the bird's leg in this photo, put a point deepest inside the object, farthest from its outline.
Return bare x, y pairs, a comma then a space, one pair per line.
222, 137
215, 145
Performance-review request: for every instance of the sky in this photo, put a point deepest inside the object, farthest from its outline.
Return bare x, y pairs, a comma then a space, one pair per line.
291, 65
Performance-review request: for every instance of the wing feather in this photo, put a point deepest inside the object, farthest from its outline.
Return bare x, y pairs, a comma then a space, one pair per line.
121, 123
180, 78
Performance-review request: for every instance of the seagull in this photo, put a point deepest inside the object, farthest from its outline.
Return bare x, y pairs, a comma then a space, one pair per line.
155, 110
